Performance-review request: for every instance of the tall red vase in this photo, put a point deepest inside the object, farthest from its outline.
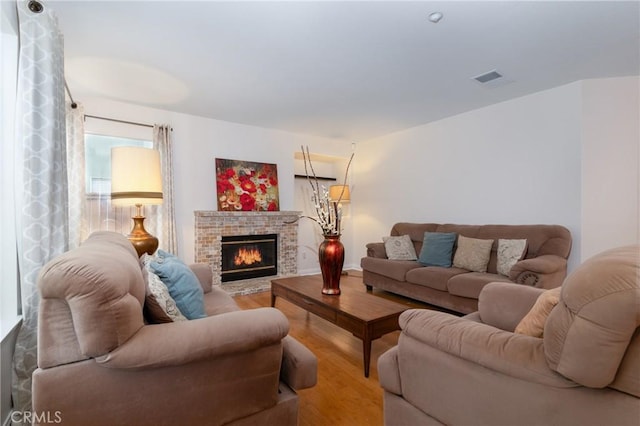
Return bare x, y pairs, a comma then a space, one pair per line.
331, 254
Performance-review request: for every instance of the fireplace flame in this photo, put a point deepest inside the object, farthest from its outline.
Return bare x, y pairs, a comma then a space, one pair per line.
247, 257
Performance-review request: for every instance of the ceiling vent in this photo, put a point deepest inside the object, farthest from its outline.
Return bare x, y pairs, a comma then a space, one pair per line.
487, 77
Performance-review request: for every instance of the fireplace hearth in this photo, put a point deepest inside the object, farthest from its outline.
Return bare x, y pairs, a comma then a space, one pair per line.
249, 256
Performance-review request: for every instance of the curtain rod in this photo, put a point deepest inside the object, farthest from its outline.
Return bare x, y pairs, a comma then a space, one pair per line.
119, 121
74, 105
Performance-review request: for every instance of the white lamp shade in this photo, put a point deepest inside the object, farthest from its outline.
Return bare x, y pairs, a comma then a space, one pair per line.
336, 190
135, 176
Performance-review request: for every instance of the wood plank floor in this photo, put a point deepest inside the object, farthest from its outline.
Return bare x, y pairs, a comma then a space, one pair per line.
343, 396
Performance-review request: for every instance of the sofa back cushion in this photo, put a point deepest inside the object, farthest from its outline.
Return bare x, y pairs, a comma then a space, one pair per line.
589, 332
91, 300
541, 239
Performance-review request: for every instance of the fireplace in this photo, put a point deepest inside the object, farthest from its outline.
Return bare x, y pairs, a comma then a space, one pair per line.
249, 256
212, 225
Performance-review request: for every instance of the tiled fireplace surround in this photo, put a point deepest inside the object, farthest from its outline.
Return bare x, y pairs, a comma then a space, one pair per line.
211, 226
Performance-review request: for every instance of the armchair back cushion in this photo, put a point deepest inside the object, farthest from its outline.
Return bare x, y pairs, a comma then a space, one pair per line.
588, 332
91, 301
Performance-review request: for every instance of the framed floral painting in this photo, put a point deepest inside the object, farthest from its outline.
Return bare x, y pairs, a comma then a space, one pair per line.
246, 186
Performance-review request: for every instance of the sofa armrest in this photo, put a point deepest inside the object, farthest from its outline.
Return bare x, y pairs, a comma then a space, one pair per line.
501, 351
299, 365
376, 250
389, 371
546, 271
204, 274
177, 343
503, 305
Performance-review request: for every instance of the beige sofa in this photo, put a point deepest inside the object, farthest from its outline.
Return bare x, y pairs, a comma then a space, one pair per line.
474, 370
100, 363
544, 264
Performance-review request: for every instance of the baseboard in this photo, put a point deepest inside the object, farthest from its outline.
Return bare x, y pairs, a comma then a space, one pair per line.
312, 271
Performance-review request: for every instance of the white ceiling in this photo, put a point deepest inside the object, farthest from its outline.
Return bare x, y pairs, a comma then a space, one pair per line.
352, 70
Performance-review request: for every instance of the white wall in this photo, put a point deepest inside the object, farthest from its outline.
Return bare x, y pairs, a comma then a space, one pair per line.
517, 162
610, 163
569, 155
197, 142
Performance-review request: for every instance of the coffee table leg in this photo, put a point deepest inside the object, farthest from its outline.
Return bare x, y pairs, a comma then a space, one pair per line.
366, 350
273, 300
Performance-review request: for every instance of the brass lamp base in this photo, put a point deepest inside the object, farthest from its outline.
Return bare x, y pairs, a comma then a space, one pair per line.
142, 241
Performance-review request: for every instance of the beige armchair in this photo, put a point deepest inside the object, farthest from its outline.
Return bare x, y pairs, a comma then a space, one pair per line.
474, 370
100, 363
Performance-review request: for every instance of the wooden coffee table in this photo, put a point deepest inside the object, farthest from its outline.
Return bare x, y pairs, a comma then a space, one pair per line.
365, 315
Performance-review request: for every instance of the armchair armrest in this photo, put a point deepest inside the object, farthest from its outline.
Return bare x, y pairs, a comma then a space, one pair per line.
503, 305
204, 274
389, 371
376, 250
299, 365
501, 351
546, 271
177, 343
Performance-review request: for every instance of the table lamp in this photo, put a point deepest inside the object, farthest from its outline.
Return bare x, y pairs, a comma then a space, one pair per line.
136, 180
339, 192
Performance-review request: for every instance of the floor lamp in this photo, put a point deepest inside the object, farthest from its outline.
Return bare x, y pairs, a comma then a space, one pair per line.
136, 181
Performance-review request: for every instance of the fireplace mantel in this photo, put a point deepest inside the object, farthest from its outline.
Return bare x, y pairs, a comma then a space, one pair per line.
212, 225
217, 213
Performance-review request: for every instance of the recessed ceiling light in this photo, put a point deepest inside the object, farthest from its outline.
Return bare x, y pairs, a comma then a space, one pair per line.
435, 17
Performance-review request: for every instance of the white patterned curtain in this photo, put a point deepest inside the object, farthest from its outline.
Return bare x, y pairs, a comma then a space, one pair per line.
79, 228
42, 198
166, 221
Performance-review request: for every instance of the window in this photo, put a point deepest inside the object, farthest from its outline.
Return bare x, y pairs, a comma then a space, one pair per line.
98, 212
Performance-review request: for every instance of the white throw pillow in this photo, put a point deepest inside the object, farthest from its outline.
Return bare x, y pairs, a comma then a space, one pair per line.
400, 248
509, 253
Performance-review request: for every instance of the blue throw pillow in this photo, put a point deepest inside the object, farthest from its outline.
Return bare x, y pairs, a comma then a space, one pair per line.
182, 283
437, 249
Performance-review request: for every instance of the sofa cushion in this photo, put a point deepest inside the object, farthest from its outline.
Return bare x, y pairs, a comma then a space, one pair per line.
394, 269
472, 254
471, 283
433, 276
509, 253
532, 324
182, 283
399, 248
437, 249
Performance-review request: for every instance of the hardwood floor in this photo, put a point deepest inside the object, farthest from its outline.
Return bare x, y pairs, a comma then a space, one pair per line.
343, 396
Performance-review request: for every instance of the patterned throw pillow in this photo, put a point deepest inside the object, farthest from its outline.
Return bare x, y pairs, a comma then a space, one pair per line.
159, 306
399, 248
472, 254
509, 253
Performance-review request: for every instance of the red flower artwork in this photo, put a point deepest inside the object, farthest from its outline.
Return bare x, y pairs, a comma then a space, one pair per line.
246, 186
